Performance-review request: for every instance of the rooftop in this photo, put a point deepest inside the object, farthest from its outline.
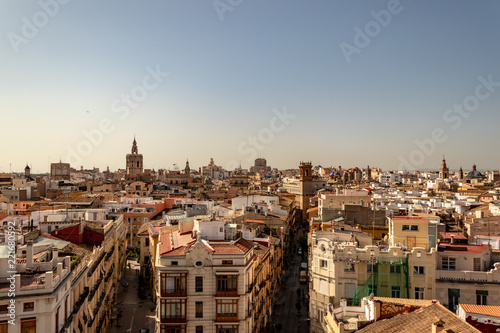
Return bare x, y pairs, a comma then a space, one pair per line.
462, 248
486, 310
421, 320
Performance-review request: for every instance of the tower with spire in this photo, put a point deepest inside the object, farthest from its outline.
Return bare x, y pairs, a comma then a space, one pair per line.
187, 169
444, 172
134, 162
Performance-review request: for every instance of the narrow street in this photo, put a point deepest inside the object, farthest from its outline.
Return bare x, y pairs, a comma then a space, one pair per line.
285, 311
136, 313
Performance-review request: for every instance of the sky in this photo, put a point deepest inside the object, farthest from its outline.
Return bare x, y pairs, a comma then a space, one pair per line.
390, 84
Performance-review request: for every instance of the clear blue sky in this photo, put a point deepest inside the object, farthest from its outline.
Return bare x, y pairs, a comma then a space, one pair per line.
229, 66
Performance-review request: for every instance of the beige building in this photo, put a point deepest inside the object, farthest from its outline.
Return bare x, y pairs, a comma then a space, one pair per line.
466, 274
205, 286
60, 171
344, 271
482, 226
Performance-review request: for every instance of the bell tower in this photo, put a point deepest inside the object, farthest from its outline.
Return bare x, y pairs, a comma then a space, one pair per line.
134, 162
444, 172
306, 187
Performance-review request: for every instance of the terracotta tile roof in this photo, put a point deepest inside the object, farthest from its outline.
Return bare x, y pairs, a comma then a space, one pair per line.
420, 321
462, 248
244, 245
241, 246
487, 310
409, 218
260, 250
404, 301
178, 240
456, 235
226, 249
255, 221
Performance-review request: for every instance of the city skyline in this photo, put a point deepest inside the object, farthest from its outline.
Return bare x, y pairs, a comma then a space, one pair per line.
390, 84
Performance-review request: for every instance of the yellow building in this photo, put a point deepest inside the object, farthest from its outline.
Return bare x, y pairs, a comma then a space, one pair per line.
412, 232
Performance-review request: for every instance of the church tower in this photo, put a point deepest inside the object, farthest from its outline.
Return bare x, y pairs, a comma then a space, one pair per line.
306, 186
187, 169
461, 174
27, 172
134, 162
444, 172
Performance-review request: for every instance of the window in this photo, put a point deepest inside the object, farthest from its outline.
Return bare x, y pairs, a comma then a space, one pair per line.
395, 269
477, 264
227, 262
199, 309
29, 306
414, 228
227, 328
453, 297
405, 227
448, 264
481, 297
199, 284
3, 308
227, 285
173, 283
323, 263
199, 329
369, 268
418, 270
419, 293
147, 242
28, 326
348, 267
173, 310
395, 292
174, 263
4, 327
227, 309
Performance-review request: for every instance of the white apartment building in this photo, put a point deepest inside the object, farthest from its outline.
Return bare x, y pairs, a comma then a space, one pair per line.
42, 292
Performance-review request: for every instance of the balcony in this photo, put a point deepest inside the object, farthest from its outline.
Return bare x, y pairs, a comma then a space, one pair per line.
176, 292
173, 319
226, 317
81, 300
226, 293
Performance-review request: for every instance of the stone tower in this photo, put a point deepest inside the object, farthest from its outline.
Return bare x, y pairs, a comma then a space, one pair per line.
306, 186
444, 172
134, 162
27, 172
187, 169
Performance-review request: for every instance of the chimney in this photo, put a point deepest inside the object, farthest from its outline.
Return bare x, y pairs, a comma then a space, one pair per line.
29, 254
452, 239
437, 326
479, 214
